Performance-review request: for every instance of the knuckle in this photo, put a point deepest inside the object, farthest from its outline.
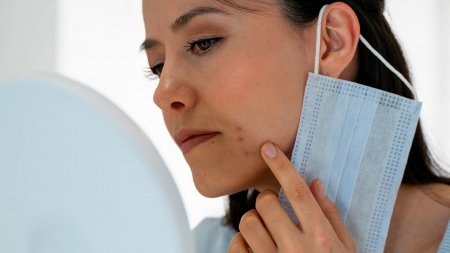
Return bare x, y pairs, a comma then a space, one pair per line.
236, 243
249, 220
293, 246
332, 209
299, 191
322, 240
265, 199
332, 213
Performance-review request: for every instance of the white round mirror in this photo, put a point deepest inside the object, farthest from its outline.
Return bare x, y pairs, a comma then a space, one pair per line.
77, 175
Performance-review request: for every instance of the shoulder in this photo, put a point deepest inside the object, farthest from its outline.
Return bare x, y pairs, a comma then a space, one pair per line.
212, 235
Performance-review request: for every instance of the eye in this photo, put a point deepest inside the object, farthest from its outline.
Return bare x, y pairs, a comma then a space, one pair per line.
201, 46
155, 71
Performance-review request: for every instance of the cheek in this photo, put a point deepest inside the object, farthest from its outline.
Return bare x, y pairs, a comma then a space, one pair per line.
263, 101
249, 76
253, 101
246, 143
239, 82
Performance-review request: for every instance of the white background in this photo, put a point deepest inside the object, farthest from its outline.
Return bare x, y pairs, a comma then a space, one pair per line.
97, 42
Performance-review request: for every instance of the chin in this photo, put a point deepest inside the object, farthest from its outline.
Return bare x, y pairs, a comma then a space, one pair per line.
218, 177
210, 194
213, 189
210, 191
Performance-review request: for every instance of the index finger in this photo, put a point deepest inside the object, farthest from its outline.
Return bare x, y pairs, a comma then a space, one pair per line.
297, 191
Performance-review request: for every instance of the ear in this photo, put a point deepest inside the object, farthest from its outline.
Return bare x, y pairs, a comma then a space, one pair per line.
339, 41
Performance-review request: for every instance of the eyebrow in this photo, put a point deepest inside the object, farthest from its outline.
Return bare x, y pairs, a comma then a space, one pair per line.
183, 21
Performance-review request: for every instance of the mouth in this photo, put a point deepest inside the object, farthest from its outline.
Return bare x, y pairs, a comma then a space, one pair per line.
188, 139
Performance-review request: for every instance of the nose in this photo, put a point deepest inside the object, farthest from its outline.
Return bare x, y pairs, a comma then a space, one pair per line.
174, 93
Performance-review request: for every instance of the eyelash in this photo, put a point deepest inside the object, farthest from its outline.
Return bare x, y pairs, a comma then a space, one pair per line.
193, 43
150, 73
155, 72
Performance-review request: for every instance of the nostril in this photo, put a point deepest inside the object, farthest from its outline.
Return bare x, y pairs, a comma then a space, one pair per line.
177, 105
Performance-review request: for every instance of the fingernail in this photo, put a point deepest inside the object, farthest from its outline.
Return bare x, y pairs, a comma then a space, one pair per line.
320, 188
269, 150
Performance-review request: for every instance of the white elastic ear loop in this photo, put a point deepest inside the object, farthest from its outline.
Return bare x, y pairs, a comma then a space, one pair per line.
389, 66
319, 28
367, 44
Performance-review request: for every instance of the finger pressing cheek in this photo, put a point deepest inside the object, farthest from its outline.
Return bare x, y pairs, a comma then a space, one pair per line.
297, 190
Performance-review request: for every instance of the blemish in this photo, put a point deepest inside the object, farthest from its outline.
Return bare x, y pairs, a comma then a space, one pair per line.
246, 153
241, 139
238, 128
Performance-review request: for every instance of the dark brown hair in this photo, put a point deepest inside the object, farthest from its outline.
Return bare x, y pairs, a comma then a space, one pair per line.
421, 168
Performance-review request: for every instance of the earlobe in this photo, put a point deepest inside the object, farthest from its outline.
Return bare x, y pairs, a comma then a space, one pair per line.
340, 36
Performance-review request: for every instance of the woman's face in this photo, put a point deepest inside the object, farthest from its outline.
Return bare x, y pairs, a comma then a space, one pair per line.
231, 80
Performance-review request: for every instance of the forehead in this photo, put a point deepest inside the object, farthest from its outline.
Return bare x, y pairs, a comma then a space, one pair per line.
162, 13
180, 5
166, 11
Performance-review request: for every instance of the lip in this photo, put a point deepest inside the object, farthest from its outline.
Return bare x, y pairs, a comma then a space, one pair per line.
188, 139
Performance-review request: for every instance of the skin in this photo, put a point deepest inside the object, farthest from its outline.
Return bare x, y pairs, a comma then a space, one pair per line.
234, 89
248, 87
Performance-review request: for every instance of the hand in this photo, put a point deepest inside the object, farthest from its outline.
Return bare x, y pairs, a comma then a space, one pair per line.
269, 228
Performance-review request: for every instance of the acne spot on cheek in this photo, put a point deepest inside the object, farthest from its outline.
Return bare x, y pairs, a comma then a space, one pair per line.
241, 139
249, 153
238, 128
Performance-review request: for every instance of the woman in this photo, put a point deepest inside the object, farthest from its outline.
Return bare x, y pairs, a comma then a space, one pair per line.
232, 79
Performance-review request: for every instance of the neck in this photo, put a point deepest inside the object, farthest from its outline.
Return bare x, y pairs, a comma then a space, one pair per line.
420, 217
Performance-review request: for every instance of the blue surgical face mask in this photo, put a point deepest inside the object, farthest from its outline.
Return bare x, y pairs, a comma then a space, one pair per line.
356, 139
